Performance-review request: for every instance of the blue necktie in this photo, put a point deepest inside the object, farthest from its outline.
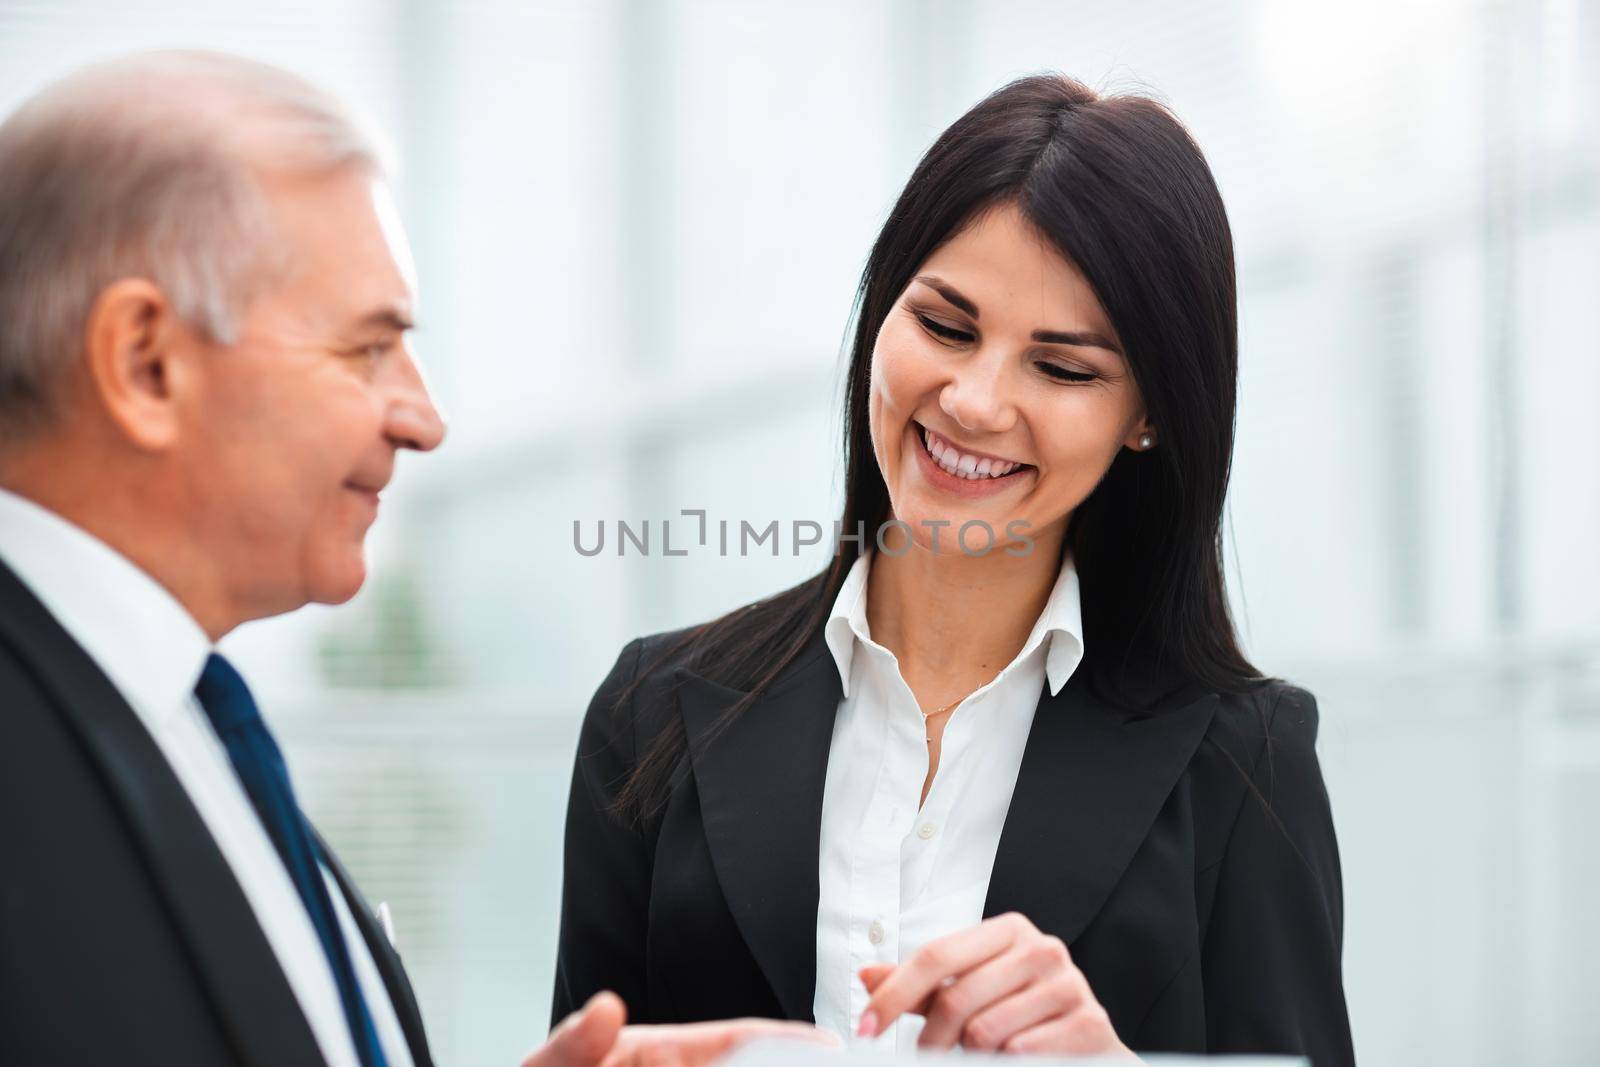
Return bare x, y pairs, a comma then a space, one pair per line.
259, 764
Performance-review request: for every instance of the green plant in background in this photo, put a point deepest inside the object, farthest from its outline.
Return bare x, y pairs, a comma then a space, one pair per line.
388, 644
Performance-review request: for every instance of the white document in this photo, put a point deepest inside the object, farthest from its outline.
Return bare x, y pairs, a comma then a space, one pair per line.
769, 1053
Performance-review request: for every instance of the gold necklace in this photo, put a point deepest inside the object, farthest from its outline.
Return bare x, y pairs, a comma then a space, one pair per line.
926, 715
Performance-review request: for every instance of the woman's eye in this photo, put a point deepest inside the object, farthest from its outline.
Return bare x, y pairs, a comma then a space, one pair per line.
1060, 373
943, 332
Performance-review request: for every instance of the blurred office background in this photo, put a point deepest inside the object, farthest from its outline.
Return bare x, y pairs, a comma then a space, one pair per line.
639, 226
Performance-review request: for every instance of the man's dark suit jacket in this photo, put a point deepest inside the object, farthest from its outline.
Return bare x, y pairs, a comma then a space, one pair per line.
1185, 853
124, 937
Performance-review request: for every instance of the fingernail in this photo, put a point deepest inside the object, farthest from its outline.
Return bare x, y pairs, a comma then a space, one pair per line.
869, 1025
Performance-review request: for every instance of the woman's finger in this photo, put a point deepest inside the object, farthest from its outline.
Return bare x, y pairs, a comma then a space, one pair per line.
873, 974
948, 957
1085, 1031
992, 1027
1019, 967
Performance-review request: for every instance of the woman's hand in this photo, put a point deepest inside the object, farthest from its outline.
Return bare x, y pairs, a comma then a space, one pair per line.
1001, 985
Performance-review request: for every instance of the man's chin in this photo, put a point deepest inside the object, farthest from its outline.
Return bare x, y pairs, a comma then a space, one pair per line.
338, 584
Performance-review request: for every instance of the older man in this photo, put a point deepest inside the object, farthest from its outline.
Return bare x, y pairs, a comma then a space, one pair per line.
204, 387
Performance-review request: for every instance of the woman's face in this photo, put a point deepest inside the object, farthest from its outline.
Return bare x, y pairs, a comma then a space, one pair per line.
999, 391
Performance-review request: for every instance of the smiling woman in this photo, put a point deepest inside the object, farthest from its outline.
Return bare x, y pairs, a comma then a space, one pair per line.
1021, 791
997, 382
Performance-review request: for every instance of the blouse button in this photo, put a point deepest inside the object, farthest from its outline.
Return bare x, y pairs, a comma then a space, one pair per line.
926, 830
875, 933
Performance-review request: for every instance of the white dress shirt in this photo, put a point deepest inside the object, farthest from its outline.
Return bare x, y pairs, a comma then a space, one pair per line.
153, 651
895, 876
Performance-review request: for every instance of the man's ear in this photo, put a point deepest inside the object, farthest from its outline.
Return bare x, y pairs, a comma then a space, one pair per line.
133, 366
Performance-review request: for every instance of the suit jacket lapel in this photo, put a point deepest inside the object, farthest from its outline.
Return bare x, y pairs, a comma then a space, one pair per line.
1090, 786
254, 1002
1092, 780
384, 957
760, 785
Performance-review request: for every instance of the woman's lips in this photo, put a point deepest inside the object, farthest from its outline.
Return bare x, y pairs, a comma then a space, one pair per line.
966, 488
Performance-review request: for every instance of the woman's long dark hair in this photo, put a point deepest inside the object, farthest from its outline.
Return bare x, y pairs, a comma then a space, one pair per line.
1120, 188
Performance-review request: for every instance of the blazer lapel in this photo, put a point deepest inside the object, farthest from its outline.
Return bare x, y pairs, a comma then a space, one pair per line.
384, 957
1092, 780
1090, 786
760, 785
254, 1002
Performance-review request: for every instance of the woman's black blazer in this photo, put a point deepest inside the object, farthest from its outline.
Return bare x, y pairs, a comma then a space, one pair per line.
1185, 853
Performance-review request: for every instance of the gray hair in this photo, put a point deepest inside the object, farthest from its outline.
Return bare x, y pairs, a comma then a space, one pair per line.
147, 166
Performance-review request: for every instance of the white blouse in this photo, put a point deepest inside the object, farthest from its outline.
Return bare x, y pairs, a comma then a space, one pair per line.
894, 877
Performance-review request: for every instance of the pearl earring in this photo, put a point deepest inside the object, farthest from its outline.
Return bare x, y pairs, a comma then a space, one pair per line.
1145, 441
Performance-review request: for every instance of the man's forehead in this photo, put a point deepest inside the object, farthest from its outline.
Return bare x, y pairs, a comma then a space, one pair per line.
394, 234
355, 267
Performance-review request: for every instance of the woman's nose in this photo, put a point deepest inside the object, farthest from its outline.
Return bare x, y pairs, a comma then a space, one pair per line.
977, 398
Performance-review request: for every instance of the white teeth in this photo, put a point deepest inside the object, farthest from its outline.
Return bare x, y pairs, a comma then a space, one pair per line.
951, 459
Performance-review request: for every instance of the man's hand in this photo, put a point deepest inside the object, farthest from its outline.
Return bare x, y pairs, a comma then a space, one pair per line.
698, 1044
594, 1036
585, 1037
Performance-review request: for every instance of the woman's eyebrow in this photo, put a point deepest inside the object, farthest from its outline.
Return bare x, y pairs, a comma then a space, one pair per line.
1078, 338
949, 292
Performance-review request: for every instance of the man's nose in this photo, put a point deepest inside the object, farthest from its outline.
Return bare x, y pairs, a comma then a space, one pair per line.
413, 422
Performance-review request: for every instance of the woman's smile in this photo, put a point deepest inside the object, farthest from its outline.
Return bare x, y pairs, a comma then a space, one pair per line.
962, 473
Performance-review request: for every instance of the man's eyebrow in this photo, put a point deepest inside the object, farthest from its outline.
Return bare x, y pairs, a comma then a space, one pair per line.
393, 318
1077, 338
